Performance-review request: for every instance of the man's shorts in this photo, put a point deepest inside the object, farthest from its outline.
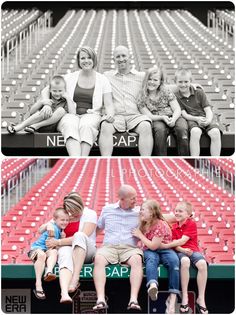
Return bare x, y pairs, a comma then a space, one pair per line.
115, 254
124, 123
194, 258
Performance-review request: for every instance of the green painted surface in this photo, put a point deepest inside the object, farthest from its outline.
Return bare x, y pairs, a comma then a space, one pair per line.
113, 272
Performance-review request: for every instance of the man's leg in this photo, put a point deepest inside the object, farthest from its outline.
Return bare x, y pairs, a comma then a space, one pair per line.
195, 136
215, 136
99, 276
160, 132
181, 132
106, 138
136, 276
145, 143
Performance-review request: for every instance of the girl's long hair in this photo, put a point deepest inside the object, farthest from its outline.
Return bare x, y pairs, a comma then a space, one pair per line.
156, 214
149, 72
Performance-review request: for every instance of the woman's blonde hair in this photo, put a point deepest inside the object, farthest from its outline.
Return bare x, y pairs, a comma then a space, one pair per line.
149, 72
73, 203
156, 214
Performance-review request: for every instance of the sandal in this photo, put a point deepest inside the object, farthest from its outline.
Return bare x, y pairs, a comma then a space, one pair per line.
73, 287
40, 295
30, 129
200, 308
103, 306
134, 306
49, 277
152, 293
185, 308
11, 129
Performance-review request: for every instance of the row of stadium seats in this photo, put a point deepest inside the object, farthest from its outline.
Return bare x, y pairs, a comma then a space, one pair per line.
168, 181
15, 22
12, 167
226, 166
153, 37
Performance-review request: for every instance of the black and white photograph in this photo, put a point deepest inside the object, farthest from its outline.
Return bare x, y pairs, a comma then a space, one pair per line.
118, 78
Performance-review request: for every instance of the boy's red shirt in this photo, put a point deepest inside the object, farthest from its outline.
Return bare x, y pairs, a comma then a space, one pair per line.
189, 228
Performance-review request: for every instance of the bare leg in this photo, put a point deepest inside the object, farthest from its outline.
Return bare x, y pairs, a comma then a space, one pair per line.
99, 275
201, 282
106, 139
51, 260
85, 149
215, 147
145, 143
73, 147
65, 279
39, 266
30, 120
136, 276
171, 303
195, 136
56, 116
78, 256
184, 277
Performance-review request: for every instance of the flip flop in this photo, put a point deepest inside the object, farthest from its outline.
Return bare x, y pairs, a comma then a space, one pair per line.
30, 129
49, 277
11, 129
103, 306
73, 288
185, 307
200, 308
39, 297
152, 293
133, 306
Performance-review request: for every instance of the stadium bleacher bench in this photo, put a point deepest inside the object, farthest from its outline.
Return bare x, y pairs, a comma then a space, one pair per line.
122, 140
14, 271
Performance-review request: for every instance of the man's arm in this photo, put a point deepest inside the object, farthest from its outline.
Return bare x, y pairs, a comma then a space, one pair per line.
109, 107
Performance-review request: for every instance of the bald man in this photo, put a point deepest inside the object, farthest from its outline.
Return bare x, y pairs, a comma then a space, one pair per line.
126, 84
119, 245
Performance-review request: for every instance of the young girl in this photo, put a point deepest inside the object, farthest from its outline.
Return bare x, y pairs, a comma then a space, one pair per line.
153, 231
159, 103
59, 101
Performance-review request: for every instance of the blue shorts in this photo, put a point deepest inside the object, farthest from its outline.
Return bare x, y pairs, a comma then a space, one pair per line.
194, 258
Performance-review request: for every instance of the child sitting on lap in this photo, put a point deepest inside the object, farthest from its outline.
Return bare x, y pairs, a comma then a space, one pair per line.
42, 256
59, 100
197, 111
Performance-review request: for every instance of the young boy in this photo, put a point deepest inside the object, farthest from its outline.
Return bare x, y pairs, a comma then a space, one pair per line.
184, 234
59, 100
41, 256
197, 111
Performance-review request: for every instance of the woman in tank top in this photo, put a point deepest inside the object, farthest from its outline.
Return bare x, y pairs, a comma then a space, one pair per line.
92, 96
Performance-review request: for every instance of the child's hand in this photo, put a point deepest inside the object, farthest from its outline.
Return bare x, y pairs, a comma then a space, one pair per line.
171, 122
187, 251
140, 244
201, 121
51, 243
137, 233
63, 234
46, 111
166, 119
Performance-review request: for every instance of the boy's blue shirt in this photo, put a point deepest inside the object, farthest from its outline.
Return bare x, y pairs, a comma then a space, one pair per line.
41, 241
